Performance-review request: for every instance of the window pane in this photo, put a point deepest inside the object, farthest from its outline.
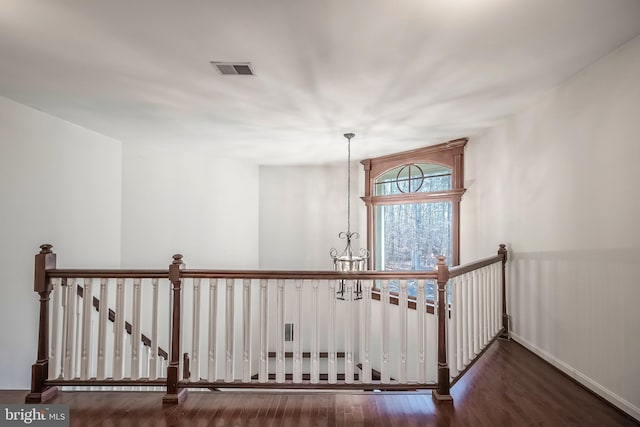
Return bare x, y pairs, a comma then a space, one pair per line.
413, 178
412, 236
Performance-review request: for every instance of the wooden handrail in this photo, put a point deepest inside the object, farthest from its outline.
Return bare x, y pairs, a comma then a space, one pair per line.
466, 268
307, 274
77, 273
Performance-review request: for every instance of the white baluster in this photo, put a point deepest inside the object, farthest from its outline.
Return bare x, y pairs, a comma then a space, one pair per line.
194, 364
55, 328
69, 318
452, 327
431, 327
487, 298
77, 348
213, 329
458, 289
263, 374
487, 305
136, 336
332, 365
297, 356
280, 377
469, 301
483, 309
402, 302
229, 335
315, 363
384, 305
494, 279
420, 331
118, 344
496, 300
366, 341
246, 331
102, 330
85, 352
348, 337
474, 314
153, 347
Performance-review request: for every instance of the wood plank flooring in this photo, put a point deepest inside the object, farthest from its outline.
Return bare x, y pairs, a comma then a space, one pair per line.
508, 386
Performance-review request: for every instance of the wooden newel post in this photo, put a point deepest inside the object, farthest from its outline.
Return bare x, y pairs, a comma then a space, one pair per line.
502, 251
45, 260
442, 392
174, 394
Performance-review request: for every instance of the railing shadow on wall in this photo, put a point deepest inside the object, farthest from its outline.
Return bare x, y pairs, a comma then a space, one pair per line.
226, 328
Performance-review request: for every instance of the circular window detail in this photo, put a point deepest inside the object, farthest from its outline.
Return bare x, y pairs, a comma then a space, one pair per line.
410, 178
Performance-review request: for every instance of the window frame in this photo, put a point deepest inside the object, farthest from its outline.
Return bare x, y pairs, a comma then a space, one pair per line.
449, 154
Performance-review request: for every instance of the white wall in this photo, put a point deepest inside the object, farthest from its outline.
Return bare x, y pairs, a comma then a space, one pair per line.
191, 202
558, 182
302, 211
59, 184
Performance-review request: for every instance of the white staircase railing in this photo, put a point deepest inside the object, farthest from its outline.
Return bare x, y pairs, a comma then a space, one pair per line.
263, 329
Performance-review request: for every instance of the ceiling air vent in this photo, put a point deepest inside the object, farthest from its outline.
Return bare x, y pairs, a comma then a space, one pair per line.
233, 68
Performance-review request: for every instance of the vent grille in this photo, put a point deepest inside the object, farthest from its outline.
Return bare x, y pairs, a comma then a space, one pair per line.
233, 68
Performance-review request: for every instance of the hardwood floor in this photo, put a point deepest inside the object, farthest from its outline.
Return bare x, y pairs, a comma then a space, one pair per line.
508, 386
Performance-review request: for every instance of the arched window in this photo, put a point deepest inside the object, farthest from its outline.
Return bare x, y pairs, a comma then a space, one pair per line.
413, 207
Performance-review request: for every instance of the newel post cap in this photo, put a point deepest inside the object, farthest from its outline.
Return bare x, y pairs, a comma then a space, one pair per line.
503, 251
177, 259
46, 248
442, 269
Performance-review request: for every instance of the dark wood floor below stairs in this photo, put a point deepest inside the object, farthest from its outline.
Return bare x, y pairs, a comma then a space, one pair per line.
508, 386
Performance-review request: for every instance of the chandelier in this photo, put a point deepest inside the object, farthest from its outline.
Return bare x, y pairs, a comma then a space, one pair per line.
348, 261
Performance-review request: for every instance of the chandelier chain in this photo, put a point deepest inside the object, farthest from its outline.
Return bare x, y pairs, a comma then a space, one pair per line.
349, 184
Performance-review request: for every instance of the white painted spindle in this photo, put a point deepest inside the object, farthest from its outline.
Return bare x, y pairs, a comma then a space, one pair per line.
263, 373
54, 328
452, 328
483, 307
69, 318
420, 331
468, 297
332, 365
136, 335
212, 367
280, 377
366, 326
153, 347
103, 317
496, 305
85, 353
118, 344
348, 337
494, 296
315, 362
229, 309
246, 330
194, 364
460, 321
402, 305
297, 324
476, 313
384, 305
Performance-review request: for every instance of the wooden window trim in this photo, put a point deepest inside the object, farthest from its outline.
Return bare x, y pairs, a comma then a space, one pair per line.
449, 154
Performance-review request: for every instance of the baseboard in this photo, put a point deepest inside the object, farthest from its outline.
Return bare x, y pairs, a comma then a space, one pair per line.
579, 377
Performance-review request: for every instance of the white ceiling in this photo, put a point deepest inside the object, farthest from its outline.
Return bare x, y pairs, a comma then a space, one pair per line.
401, 74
